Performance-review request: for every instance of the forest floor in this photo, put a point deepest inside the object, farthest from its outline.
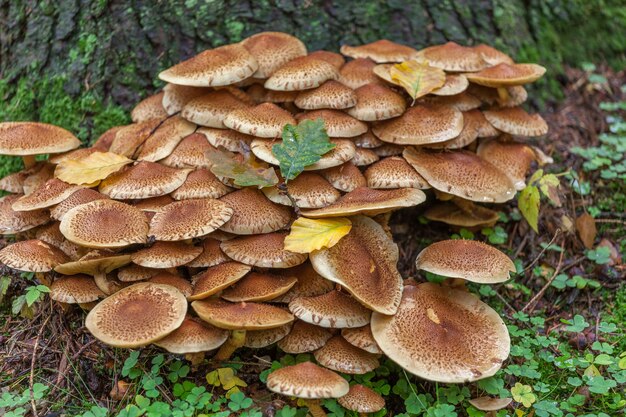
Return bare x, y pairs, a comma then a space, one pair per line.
565, 309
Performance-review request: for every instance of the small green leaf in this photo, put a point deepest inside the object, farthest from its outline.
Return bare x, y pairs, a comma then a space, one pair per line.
523, 394
528, 203
244, 173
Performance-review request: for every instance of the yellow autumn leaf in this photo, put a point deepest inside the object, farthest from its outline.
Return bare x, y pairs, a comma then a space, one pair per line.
417, 78
229, 380
90, 169
308, 235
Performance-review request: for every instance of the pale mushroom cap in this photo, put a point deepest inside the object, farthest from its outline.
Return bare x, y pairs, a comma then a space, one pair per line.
241, 316
166, 255
338, 124
14, 183
364, 157
492, 56
474, 125
51, 234
490, 403
453, 57
307, 380
261, 94
467, 259
420, 125
108, 284
104, 141
129, 138
304, 337
216, 278
358, 72
258, 339
254, 213
301, 74
362, 400
187, 219
259, 287
193, 336
81, 196
505, 74
333, 310
455, 84
211, 254
443, 334
461, 102
377, 102
362, 338
75, 289
150, 107
93, 263
230, 139
225, 65
364, 263
515, 96
516, 121
368, 141
265, 120
309, 190
176, 281
265, 251
153, 204
343, 151
42, 173
339, 355
462, 174
12, 221
201, 183
211, 109
389, 149
190, 153
137, 315
454, 215
331, 57
162, 142
345, 177
380, 51
368, 201
394, 172
512, 158
32, 138
144, 180
309, 283
273, 49
176, 96
133, 273
48, 194
330, 95
32, 256
105, 224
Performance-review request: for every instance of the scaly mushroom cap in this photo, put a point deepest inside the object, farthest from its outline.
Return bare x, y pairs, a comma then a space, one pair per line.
137, 315
129, 138
216, 278
201, 183
364, 263
32, 138
193, 336
265, 120
362, 400
492, 56
190, 153
14, 183
333, 309
225, 65
368, 141
259, 287
330, 95
176, 96
301, 74
394, 172
166, 255
331, 57
490, 403
211, 109
153, 204
75, 289
337, 123
466, 259
108, 284
42, 173
78, 197
377, 102
94, 263
455, 84
505, 75
362, 337
380, 51
52, 192
461, 102
343, 151
51, 234
261, 94
339, 355
103, 143
358, 72
230, 139
345, 177
72, 155
265, 251
162, 142
368, 201
443, 334
150, 107
420, 125
515, 96
474, 126
462, 174
273, 49
187, 219
12, 222
389, 149
253, 213
144, 180
105, 224
468, 215
32, 256
133, 273
176, 281
241, 316
512, 158
309, 283
307, 380
453, 57
258, 339
304, 337
516, 121
211, 254
309, 190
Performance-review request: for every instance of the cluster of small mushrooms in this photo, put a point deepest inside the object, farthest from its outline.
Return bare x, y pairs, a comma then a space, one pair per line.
167, 231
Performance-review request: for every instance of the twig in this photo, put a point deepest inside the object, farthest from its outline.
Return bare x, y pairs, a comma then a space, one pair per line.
543, 290
558, 231
282, 187
32, 366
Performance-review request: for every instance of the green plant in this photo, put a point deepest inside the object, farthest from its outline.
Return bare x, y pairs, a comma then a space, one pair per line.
17, 404
529, 200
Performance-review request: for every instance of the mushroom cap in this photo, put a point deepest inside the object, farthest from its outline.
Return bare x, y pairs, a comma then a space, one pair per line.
389, 149
78, 197
105, 224
343, 151
507, 74
75, 289
211, 109
362, 338
466, 259
273, 49
176, 281
216, 278
471, 215
362, 400
230, 139
337, 123
492, 56
94, 263
364, 263
190, 153
104, 141
144, 180
333, 309
368, 141
258, 339
48, 194
377, 102
201, 183
150, 107
339, 355
187, 219
129, 138
512, 158
453, 57
358, 72
420, 125
301, 74
137, 315
259, 287
72, 155
14, 183
307, 380
304, 337
241, 316
265, 251
32, 256
254, 213
330, 95
309, 283
331, 57
261, 94
211, 254
166, 255
51, 234
153, 204
193, 336
162, 142
516, 121
394, 172
515, 96
225, 65
345, 177
265, 120
462, 174
134, 272
443, 334
363, 200
108, 284
380, 51
12, 221
175, 96
309, 190
33, 138
455, 84
490, 403
462, 102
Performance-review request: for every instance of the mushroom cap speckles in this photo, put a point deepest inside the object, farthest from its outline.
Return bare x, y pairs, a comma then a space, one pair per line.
201, 183
265, 251
265, 120
362, 337
81, 196
230, 139
33, 138
75, 289
331, 57
455, 84
362, 400
190, 153
193, 336
137, 315
150, 107
309, 190
259, 287
32, 256
211, 254
377, 102
394, 172
309, 283
129, 138
507, 74
453, 57
516, 121
512, 158
241, 316
380, 51
273, 49
304, 337
470, 215
211, 109
333, 310
490, 403
144, 180
307, 380
216, 278
345, 177
339, 355
166, 255
48, 194
254, 213
12, 221
330, 95
176, 96
358, 72
337, 123
301, 74
492, 56
257, 339
162, 142
443, 334
176, 281
93, 263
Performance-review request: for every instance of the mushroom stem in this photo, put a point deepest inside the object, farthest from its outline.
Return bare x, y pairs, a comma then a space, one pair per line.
315, 409
503, 93
29, 161
236, 340
195, 358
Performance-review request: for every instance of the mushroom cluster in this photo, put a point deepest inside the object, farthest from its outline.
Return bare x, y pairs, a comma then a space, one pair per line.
166, 232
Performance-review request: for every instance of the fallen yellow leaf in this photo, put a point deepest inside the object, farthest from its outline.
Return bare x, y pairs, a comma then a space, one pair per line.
417, 78
90, 169
229, 380
308, 235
